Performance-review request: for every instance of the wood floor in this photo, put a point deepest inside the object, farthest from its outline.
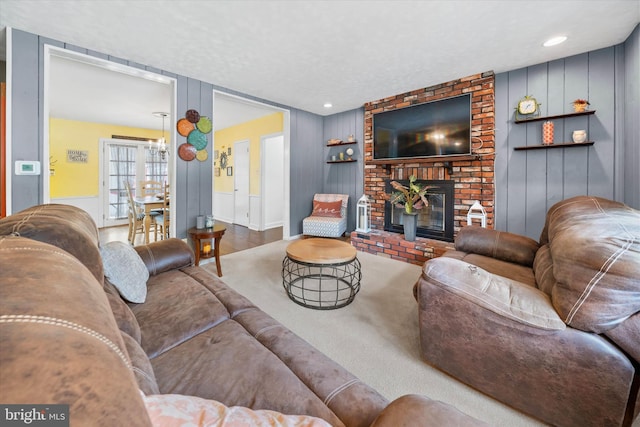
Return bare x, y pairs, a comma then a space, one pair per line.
236, 238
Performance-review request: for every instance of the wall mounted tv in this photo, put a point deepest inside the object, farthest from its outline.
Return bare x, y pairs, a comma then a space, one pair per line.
437, 128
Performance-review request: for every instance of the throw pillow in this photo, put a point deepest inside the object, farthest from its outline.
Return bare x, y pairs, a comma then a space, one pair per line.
327, 209
170, 410
125, 270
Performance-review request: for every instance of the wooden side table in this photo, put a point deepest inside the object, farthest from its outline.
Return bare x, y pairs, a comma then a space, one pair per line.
215, 234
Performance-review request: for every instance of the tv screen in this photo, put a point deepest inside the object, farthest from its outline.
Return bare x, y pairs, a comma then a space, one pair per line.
437, 128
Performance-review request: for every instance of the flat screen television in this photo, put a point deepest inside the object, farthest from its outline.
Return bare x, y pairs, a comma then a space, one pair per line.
437, 128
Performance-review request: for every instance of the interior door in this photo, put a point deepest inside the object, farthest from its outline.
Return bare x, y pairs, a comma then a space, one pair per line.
241, 183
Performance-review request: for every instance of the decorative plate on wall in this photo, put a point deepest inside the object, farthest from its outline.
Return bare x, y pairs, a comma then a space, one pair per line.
202, 155
192, 115
204, 125
197, 139
187, 152
185, 127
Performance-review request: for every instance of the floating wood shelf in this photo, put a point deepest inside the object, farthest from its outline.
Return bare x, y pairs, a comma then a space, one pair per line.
562, 145
342, 161
559, 116
342, 143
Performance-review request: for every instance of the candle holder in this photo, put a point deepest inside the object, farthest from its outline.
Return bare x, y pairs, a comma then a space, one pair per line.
206, 248
363, 215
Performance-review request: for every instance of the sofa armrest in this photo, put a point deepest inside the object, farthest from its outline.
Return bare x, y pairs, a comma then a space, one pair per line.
497, 244
505, 297
165, 255
416, 410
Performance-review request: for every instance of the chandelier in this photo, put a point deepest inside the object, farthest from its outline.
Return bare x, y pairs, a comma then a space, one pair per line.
160, 145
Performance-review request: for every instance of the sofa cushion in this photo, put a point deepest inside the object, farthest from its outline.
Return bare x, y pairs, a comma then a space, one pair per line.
508, 298
507, 269
229, 363
125, 318
327, 209
595, 247
67, 227
124, 268
175, 410
142, 369
177, 308
60, 342
496, 244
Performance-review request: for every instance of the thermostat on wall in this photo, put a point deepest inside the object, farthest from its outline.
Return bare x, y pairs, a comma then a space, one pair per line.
27, 167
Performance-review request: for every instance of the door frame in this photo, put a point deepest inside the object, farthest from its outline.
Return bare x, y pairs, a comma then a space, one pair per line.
263, 170
286, 131
49, 52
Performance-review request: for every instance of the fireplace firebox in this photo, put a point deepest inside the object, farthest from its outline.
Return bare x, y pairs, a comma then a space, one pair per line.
435, 221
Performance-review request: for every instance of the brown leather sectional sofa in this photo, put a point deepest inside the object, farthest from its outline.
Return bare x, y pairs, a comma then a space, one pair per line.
68, 337
551, 328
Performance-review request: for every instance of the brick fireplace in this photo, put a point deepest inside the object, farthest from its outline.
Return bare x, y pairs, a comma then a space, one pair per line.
472, 176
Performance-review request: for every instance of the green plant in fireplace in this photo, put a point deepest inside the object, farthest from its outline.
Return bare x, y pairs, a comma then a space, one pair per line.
409, 197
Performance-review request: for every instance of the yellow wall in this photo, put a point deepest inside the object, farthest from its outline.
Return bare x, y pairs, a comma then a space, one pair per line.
251, 131
81, 179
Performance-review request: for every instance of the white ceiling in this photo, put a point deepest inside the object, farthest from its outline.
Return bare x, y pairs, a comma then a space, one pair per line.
305, 53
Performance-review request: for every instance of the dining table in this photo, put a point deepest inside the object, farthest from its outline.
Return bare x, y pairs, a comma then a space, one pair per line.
148, 204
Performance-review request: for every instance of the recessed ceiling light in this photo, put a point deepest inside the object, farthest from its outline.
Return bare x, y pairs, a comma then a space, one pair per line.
554, 41
328, 105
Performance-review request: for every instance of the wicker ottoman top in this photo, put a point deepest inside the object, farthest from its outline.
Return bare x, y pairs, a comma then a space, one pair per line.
321, 251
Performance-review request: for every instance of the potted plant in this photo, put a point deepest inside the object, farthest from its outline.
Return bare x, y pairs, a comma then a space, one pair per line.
410, 198
579, 105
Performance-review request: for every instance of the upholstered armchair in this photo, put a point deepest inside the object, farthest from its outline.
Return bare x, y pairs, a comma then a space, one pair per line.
329, 216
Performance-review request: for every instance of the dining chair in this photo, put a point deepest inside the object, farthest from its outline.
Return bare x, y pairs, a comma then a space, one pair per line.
162, 221
136, 217
150, 188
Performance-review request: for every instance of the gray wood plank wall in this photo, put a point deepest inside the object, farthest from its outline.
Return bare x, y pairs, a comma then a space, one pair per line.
345, 178
529, 182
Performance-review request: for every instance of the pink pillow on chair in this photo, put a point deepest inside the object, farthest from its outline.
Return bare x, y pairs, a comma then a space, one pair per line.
327, 209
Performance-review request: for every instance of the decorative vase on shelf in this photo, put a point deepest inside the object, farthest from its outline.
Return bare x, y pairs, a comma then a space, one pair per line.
547, 133
579, 136
580, 105
410, 224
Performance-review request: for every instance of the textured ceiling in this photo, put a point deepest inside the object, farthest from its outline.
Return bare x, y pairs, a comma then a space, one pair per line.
305, 53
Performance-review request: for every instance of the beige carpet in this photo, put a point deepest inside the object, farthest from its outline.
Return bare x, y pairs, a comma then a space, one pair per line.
375, 337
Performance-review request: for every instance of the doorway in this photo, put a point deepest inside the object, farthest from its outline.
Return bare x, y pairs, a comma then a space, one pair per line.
232, 112
78, 113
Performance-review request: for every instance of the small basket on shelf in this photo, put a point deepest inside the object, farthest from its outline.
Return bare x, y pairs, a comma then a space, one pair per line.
580, 105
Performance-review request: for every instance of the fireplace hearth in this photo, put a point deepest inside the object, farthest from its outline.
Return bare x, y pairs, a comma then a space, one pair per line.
435, 221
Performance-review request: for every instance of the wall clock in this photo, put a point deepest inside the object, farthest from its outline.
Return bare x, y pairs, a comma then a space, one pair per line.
527, 108
223, 160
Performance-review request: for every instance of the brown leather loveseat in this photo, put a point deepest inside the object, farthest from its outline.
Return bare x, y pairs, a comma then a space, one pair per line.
67, 337
551, 328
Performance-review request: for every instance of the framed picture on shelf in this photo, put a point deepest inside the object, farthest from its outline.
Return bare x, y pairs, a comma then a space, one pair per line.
230, 171
229, 151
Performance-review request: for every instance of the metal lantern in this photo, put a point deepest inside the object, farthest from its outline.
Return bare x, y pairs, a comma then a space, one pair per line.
477, 212
363, 217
